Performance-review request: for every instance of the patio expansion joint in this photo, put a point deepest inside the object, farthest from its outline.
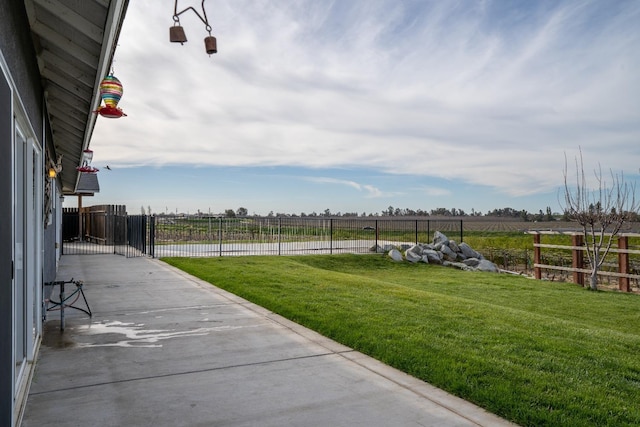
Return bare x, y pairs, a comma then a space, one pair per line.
195, 371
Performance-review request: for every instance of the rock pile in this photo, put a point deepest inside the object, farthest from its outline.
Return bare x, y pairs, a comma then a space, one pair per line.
442, 251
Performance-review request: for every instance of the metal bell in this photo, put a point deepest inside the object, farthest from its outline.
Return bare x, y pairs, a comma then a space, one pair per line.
177, 35
210, 45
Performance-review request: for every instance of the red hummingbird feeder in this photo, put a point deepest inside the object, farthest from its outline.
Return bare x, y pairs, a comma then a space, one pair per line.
110, 92
87, 156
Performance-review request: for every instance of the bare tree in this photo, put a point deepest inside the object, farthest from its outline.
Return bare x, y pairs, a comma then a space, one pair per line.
600, 211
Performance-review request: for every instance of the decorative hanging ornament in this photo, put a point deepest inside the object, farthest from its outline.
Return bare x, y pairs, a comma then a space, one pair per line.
110, 92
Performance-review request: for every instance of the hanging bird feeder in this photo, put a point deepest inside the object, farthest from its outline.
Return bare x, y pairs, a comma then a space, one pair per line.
110, 92
85, 167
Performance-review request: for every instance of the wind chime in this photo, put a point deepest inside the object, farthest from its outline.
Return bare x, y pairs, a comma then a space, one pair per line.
177, 34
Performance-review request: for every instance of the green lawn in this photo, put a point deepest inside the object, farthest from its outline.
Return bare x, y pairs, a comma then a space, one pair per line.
536, 353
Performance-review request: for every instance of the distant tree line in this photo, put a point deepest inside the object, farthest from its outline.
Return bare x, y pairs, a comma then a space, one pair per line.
506, 213
522, 215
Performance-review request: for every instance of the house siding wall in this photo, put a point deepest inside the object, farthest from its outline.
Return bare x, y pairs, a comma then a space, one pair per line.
19, 66
6, 243
17, 48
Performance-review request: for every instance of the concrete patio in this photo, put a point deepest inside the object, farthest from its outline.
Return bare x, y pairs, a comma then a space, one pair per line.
166, 349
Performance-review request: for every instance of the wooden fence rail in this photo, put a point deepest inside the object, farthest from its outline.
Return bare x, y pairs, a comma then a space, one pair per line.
577, 249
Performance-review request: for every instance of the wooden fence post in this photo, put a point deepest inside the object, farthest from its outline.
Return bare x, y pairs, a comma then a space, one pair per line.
623, 264
536, 257
577, 259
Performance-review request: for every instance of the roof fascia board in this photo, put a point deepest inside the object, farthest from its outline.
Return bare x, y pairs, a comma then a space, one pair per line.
115, 18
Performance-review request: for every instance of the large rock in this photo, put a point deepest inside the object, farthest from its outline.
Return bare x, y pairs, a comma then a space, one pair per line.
395, 255
416, 249
486, 265
472, 262
438, 237
468, 251
433, 256
412, 256
458, 265
449, 255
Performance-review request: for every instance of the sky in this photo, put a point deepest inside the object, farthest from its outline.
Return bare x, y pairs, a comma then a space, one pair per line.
358, 105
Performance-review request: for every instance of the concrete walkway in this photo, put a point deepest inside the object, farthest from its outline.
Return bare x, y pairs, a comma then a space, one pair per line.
166, 349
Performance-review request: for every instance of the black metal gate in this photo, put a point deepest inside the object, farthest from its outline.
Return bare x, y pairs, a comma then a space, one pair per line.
103, 229
136, 237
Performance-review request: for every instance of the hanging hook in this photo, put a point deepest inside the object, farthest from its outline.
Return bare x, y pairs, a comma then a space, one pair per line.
204, 20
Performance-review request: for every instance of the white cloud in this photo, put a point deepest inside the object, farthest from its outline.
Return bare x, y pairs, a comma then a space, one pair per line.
491, 93
370, 190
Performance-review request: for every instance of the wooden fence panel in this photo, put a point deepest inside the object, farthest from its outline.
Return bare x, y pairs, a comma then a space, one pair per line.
577, 268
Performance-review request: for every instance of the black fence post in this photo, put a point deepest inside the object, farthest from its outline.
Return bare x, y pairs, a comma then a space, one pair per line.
152, 236
461, 232
279, 236
376, 235
143, 234
114, 227
220, 236
330, 235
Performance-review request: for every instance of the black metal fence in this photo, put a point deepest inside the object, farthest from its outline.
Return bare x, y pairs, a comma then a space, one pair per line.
202, 236
108, 229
